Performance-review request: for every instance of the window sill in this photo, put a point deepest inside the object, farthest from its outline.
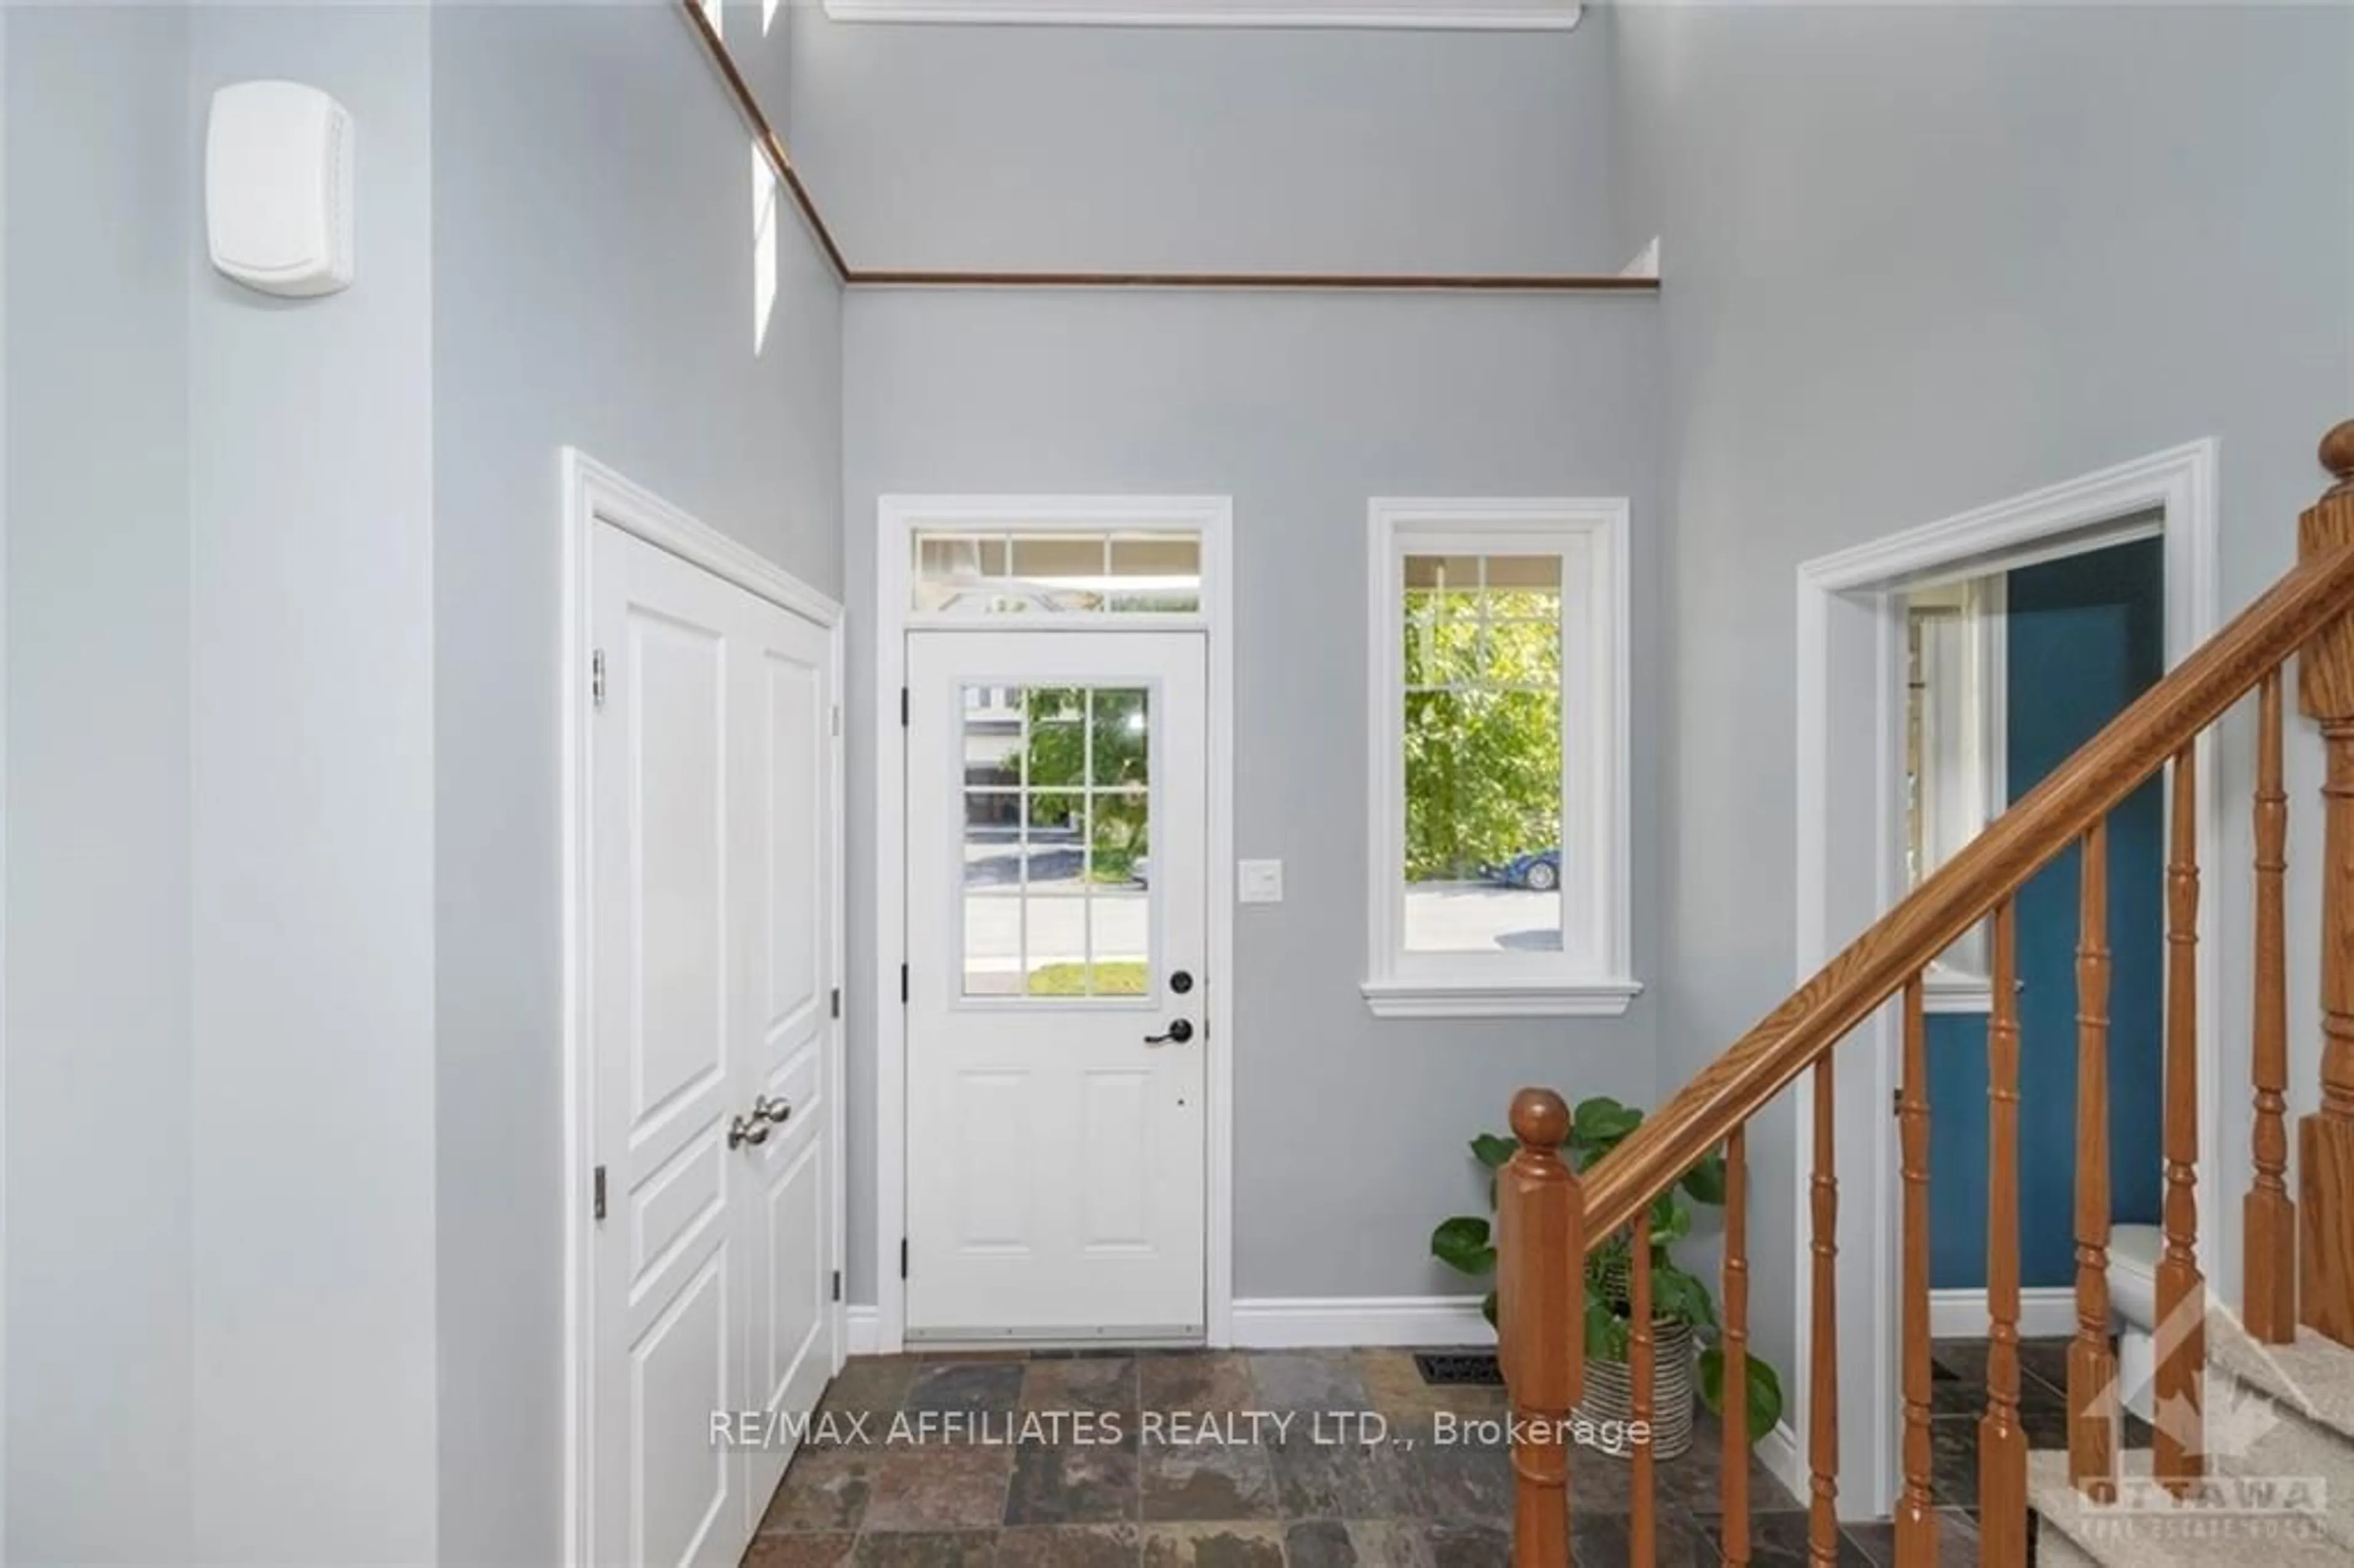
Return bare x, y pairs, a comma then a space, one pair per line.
1948, 991
1566, 999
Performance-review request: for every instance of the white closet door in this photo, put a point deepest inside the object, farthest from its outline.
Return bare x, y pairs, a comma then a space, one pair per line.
785, 882
713, 914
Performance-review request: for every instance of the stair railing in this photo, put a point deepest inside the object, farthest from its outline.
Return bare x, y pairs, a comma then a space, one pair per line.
2299, 1262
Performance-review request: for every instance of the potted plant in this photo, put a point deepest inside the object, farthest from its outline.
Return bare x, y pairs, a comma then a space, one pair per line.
1683, 1311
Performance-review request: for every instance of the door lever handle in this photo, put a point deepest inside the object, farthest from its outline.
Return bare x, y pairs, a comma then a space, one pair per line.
774, 1110
750, 1130
1179, 1033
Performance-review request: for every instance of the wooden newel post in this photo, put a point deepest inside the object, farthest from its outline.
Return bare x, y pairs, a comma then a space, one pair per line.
2326, 1139
1540, 1321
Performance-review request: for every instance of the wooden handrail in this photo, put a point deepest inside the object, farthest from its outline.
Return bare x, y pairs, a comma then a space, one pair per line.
2168, 717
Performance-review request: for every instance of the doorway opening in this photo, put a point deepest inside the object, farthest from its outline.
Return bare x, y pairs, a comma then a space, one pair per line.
1859, 835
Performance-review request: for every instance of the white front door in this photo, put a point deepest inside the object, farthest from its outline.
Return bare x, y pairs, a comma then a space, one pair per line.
1057, 926
711, 784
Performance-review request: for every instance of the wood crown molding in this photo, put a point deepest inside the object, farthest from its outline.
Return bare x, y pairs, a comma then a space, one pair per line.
765, 132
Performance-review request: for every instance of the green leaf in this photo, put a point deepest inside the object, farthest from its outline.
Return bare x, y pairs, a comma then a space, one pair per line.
1463, 1244
1765, 1408
1491, 1151
1705, 1181
1675, 1294
1672, 1221
1488, 1308
1601, 1122
1606, 1331
1679, 1296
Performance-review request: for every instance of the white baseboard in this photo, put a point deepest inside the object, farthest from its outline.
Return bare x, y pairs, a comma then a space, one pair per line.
2047, 1311
1297, 1322
1780, 1452
1306, 1322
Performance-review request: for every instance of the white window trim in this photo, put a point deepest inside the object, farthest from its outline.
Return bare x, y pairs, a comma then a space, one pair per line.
1979, 684
766, 199
1483, 985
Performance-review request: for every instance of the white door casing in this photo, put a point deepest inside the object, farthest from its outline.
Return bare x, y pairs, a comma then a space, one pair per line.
1850, 773
713, 914
1057, 1149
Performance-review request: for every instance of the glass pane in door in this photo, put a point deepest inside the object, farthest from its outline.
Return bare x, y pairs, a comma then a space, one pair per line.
1057, 842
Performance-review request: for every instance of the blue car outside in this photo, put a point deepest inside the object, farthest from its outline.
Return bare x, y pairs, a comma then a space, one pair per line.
1539, 870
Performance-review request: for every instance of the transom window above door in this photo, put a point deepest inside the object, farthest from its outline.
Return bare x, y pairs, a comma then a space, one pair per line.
1498, 722
972, 572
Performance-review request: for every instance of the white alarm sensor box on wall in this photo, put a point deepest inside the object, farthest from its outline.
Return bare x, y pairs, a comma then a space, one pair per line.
278, 188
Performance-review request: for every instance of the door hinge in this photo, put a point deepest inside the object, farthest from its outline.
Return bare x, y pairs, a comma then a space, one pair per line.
837, 1284
903, 707
837, 719
597, 1195
597, 678
903, 982
837, 1001
902, 1257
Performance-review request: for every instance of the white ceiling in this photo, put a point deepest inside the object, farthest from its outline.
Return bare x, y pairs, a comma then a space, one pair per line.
1429, 14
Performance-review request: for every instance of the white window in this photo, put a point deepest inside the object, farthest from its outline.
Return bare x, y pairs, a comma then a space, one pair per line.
1499, 779
1062, 570
764, 246
1954, 758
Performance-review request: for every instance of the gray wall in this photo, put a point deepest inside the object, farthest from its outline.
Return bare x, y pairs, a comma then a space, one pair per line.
282, 1169
1199, 149
99, 988
1302, 409
310, 810
592, 287
1920, 259
220, 684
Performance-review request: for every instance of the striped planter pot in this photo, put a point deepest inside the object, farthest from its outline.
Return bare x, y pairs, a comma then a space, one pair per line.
1609, 1402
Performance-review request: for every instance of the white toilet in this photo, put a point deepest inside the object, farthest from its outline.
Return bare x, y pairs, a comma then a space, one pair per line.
2133, 1299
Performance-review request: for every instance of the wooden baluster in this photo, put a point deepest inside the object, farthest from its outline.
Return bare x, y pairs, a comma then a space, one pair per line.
2092, 1365
2182, 1293
1822, 1405
1539, 1319
1642, 1371
1735, 1475
2325, 1141
2268, 1225
2002, 1442
1916, 1512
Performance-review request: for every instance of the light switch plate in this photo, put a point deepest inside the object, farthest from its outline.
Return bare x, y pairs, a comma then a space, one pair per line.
1258, 882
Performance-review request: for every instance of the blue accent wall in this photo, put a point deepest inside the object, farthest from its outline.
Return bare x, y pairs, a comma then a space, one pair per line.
2087, 635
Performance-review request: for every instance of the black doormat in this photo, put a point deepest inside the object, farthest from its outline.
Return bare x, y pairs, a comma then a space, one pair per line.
1459, 1369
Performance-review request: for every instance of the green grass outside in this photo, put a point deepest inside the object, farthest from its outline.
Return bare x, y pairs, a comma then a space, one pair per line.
1118, 977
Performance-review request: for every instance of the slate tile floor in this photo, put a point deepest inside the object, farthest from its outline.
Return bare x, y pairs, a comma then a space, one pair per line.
1093, 1483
